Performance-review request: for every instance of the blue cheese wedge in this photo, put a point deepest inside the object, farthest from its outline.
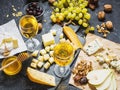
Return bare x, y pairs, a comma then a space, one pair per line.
48, 39
93, 47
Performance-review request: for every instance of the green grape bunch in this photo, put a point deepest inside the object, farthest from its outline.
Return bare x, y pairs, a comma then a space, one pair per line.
74, 10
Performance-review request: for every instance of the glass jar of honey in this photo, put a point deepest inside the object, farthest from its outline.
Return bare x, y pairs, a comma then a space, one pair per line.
13, 68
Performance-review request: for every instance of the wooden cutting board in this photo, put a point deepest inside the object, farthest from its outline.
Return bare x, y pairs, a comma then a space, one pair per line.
115, 47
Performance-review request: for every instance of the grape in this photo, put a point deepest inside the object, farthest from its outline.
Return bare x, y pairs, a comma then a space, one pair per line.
55, 4
80, 15
87, 16
84, 10
77, 18
57, 14
80, 22
92, 28
84, 24
74, 10
57, 10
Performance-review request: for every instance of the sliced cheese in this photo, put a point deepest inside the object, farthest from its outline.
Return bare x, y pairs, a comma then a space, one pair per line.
48, 39
40, 77
93, 47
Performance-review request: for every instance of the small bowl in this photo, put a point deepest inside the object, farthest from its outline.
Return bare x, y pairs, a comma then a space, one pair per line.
14, 68
36, 9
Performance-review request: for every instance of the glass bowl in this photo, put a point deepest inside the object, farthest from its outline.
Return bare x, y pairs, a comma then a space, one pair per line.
14, 68
34, 8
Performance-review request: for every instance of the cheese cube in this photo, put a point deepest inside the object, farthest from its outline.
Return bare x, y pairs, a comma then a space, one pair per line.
47, 49
53, 32
40, 58
46, 57
42, 52
15, 43
34, 60
51, 60
48, 39
40, 64
93, 47
52, 46
61, 35
51, 53
35, 53
33, 65
46, 65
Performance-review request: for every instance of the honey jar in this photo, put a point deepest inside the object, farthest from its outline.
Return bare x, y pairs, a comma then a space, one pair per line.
13, 68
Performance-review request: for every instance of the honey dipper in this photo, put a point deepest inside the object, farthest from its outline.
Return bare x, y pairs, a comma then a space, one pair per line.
22, 56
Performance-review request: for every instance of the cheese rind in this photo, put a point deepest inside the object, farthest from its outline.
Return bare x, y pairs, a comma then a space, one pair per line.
40, 77
48, 39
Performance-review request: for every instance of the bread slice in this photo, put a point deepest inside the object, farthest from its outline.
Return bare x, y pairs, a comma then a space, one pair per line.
40, 77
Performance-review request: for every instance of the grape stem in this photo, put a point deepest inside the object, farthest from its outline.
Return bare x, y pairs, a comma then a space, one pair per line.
69, 22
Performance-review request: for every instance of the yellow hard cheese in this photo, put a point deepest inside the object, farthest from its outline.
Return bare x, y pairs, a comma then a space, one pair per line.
73, 37
40, 77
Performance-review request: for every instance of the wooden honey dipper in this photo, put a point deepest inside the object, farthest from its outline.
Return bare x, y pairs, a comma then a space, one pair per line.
21, 57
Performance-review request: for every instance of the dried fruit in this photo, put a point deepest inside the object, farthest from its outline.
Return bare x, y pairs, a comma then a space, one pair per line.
83, 80
101, 15
109, 25
107, 7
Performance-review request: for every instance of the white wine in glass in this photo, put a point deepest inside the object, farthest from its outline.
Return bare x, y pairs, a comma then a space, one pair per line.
29, 28
63, 56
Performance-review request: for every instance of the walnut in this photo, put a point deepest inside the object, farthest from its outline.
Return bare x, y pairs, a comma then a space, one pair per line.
101, 15
40, 26
109, 25
107, 7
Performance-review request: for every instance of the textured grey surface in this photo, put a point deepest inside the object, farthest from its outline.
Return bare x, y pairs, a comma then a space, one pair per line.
20, 81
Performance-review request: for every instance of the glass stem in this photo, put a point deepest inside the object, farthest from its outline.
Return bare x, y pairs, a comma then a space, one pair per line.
62, 70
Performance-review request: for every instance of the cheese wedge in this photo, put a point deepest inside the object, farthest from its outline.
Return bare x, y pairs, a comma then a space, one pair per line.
40, 77
97, 77
105, 84
73, 37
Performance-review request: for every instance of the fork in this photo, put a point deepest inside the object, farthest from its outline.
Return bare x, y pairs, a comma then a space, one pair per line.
21, 57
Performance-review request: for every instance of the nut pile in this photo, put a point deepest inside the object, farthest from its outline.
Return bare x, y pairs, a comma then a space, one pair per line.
105, 28
80, 72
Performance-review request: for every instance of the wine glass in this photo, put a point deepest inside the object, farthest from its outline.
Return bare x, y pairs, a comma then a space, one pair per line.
29, 28
63, 56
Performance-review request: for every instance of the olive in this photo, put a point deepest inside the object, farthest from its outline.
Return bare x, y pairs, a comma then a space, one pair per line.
83, 80
34, 4
30, 12
31, 8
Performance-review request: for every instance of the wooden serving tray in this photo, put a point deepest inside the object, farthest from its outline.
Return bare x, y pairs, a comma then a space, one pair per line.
115, 47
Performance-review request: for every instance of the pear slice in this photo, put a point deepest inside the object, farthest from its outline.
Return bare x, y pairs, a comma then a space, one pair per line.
114, 83
111, 86
97, 77
105, 84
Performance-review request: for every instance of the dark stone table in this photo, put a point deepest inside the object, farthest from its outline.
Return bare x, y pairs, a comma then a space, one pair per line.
20, 81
